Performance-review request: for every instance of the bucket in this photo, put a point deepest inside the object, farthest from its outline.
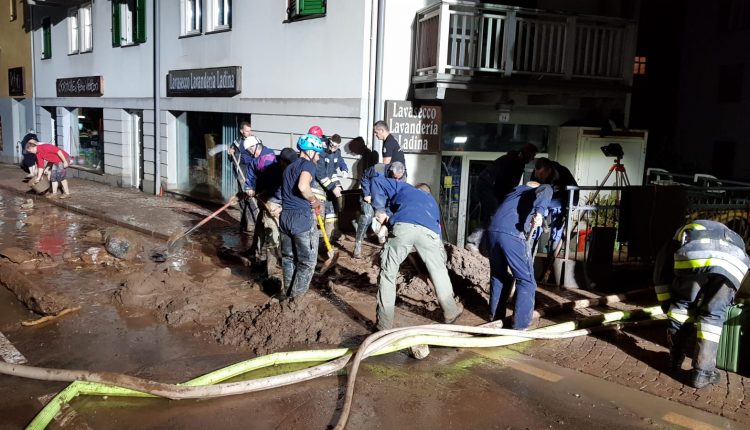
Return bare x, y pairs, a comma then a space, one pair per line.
42, 186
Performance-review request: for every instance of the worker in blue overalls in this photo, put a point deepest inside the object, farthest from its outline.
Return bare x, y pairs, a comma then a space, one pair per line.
510, 246
696, 277
559, 177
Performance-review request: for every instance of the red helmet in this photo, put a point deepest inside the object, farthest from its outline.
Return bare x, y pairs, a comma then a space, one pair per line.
316, 131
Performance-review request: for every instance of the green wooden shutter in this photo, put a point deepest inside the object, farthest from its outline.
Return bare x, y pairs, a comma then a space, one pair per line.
115, 23
140, 21
46, 39
311, 7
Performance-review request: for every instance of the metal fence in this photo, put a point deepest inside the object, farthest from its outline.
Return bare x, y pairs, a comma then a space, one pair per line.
600, 207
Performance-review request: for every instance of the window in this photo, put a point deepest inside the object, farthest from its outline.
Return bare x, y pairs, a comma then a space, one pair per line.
46, 39
128, 22
219, 15
639, 66
80, 34
87, 33
190, 15
730, 82
299, 9
73, 31
13, 12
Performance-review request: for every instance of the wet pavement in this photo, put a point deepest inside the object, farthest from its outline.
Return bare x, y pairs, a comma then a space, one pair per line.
611, 380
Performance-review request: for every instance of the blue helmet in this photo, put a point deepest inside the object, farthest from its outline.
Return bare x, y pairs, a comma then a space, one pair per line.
309, 142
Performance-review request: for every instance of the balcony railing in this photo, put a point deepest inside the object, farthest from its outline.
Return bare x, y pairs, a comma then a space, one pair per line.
460, 38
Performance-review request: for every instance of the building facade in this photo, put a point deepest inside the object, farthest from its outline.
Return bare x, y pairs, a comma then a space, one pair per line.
16, 89
459, 82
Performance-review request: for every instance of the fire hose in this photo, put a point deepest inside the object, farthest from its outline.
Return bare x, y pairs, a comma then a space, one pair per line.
209, 385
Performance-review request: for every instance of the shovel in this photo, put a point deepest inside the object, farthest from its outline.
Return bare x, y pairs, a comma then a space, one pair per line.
333, 256
177, 236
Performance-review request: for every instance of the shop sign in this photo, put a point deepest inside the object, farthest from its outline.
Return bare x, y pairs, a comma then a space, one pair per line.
15, 82
85, 86
416, 128
214, 82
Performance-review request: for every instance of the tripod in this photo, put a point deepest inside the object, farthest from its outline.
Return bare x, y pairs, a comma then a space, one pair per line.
620, 180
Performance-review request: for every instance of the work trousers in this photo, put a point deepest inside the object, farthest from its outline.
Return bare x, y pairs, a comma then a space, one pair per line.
299, 254
247, 210
511, 250
367, 213
430, 248
697, 311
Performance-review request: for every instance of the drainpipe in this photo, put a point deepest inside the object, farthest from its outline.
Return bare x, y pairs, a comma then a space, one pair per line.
33, 76
378, 108
157, 101
371, 69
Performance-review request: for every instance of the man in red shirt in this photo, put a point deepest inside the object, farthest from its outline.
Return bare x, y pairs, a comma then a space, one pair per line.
57, 158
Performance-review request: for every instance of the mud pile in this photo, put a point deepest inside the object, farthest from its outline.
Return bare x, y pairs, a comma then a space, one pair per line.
18, 273
178, 299
468, 270
275, 325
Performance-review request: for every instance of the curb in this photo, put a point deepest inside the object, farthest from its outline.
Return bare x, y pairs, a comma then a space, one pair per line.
93, 214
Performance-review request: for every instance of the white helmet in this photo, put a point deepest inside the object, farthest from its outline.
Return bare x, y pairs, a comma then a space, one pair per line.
250, 142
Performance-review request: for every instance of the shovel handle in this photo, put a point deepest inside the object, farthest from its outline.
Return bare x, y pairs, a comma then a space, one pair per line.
205, 220
322, 226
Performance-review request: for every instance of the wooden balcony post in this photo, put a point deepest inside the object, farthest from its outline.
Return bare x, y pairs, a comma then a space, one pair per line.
628, 53
509, 42
443, 38
569, 55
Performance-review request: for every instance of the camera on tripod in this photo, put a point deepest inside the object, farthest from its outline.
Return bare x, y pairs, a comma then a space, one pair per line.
613, 150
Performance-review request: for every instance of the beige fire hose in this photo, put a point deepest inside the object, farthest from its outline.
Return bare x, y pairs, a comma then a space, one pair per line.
105, 383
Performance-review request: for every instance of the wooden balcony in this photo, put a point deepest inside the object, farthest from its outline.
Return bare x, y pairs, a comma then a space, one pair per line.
456, 40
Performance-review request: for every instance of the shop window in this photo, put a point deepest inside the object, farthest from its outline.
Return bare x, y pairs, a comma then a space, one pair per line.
219, 15
46, 39
128, 22
303, 9
88, 149
190, 16
80, 31
485, 137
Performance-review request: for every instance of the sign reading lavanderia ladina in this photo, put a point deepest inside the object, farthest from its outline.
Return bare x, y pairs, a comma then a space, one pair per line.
416, 128
214, 82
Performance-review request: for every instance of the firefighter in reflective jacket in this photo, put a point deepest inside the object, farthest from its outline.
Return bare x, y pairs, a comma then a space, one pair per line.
697, 275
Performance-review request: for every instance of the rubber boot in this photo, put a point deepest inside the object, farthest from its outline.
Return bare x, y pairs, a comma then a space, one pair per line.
701, 378
676, 351
357, 249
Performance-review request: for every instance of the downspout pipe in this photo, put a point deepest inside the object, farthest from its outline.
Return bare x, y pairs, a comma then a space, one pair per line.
157, 101
379, 47
33, 80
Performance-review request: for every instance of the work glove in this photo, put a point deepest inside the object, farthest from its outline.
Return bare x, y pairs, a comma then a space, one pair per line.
367, 199
344, 174
337, 192
536, 221
250, 193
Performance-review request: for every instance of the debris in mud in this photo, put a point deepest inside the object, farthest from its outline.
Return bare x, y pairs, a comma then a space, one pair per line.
96, 255
29, 204
275, 325
122, 243
36, 296
419, 293
27, 260
94, 235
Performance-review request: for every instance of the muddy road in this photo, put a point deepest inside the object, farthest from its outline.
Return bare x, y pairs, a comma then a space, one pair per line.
201, 310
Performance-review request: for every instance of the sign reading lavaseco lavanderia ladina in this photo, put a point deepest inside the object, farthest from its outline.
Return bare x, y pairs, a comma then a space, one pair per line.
216, 82
85, 86
416, 128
